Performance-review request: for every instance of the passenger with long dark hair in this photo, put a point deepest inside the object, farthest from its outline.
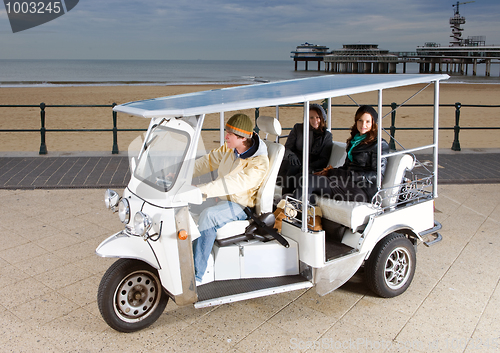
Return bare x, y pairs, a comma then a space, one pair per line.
356, 180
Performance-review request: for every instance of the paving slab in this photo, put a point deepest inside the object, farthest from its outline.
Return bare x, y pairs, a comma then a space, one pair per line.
49, 275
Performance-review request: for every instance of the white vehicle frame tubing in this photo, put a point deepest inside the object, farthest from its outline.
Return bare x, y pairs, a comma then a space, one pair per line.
305, 168
434, 145
221, 130
379, 139
436, 135
329, 113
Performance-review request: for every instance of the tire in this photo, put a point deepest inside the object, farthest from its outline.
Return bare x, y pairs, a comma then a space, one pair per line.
391, 266
130, 296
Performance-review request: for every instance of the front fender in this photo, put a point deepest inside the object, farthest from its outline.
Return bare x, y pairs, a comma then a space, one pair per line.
122, 245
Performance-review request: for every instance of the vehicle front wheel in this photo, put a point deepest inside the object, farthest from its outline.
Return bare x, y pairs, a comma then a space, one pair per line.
391, 266
130, 296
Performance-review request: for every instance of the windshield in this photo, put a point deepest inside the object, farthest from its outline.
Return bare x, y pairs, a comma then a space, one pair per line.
162, 158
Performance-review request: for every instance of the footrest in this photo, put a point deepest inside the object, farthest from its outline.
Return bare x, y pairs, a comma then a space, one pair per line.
438, 237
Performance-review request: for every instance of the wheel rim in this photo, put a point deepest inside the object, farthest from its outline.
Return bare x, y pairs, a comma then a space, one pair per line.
397, 268
137, 296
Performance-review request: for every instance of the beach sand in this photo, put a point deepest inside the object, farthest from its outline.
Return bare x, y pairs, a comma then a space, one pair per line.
101, 118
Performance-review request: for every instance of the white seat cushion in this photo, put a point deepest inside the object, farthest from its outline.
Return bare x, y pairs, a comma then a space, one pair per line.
231, 229
394, 173
348, 213
356, 214
265, 195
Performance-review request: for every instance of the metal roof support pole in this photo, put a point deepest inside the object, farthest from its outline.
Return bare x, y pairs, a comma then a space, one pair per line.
257, 114
436, 136
305, 167
329, 123
379, 139
277, 140
221, 130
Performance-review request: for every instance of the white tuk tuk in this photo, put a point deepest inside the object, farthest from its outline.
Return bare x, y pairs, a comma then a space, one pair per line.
249, 258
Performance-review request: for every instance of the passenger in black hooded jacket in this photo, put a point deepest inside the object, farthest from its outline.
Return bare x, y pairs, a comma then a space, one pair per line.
356, 180
320, 147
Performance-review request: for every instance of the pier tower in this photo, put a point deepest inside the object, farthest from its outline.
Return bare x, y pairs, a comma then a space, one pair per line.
460, 54
456, 23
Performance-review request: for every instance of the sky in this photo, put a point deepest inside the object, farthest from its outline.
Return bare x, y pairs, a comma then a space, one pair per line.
242, 29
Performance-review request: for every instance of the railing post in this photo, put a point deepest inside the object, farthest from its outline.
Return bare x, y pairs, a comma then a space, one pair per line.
43, 146
456, 142
392, 145
257, 113
325, 106
115, 134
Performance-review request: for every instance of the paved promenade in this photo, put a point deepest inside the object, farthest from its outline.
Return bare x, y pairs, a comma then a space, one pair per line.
106, 170
53, 217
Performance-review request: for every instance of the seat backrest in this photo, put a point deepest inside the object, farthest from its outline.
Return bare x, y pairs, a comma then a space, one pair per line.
393, 177
337, 157
275, 152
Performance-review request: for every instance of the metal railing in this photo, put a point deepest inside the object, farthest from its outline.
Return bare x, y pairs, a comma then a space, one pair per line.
392, 129
43, 130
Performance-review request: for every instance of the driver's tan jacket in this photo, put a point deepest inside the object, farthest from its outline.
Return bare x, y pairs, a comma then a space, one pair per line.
238, 179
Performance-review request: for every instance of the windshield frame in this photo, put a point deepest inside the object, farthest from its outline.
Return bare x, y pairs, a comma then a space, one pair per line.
155, 140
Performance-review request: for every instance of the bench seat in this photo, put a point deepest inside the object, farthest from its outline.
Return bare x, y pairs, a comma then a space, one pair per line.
356, 215
351, 214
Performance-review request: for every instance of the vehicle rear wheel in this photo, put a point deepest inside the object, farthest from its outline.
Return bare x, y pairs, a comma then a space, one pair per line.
130, 296
391, 266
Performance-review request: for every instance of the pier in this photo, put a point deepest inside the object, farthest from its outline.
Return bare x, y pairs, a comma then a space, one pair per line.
432, 57
456, 59
309, 52
460, 53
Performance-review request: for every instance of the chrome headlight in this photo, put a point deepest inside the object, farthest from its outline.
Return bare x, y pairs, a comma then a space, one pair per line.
111, 198
124, 211
142, 223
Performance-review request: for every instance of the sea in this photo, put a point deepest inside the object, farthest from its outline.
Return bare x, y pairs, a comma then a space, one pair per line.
49, 73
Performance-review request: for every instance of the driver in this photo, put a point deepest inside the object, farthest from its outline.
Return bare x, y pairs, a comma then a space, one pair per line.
242, 164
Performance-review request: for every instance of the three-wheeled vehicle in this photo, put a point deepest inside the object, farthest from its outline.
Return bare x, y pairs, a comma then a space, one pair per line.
155, 247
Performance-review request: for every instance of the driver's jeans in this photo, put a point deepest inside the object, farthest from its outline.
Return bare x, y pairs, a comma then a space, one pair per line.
211, 219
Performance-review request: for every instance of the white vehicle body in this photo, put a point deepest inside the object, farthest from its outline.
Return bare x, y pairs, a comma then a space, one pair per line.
160, 192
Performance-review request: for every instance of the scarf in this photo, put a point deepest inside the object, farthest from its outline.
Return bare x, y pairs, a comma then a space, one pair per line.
356, 140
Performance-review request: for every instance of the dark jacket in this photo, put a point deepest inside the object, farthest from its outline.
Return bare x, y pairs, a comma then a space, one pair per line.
320, 146
364, 165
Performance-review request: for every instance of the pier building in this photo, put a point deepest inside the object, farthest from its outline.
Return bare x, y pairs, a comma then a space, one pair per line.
309, 52
360, 58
